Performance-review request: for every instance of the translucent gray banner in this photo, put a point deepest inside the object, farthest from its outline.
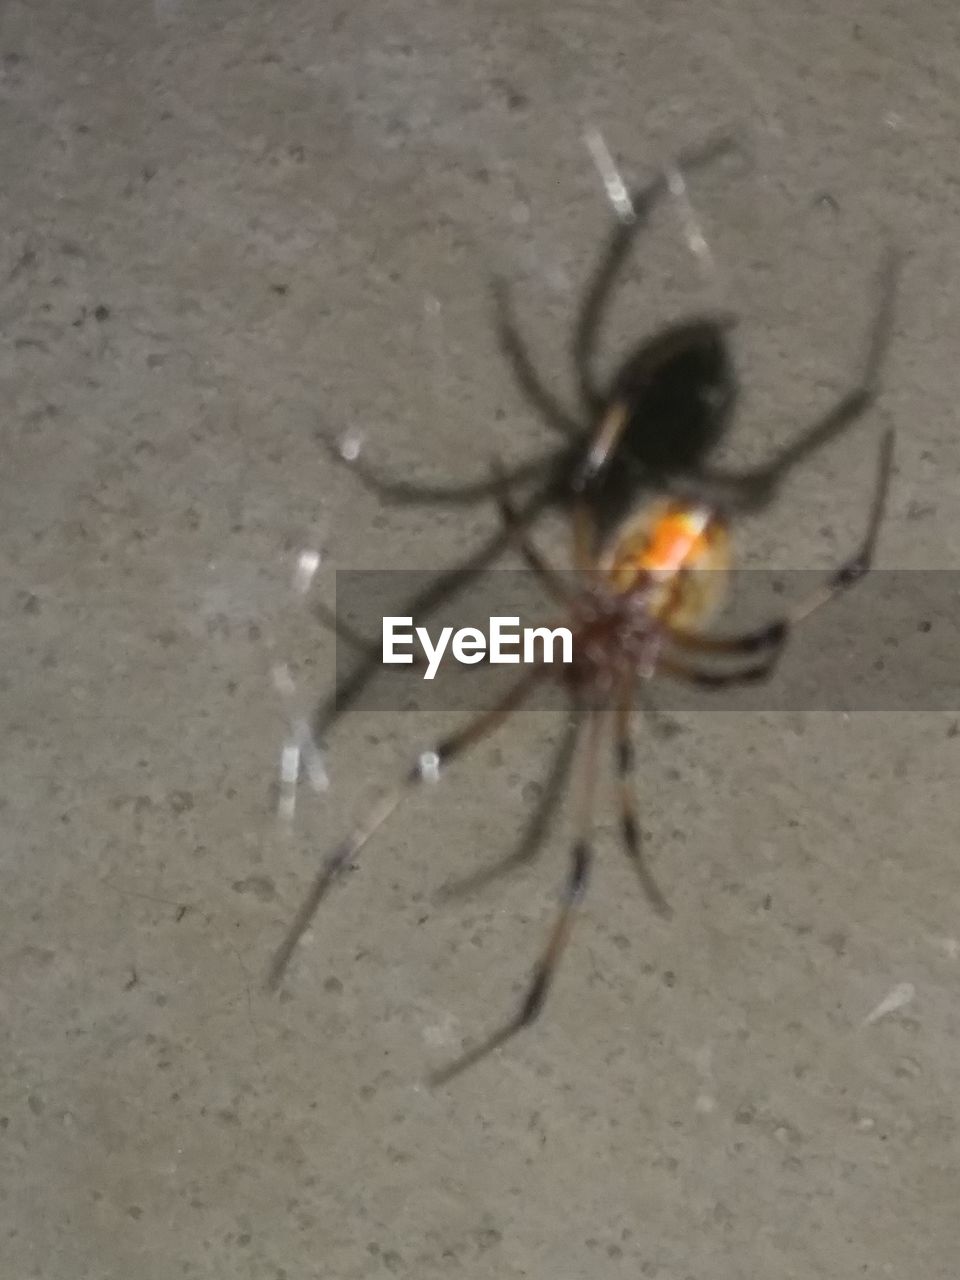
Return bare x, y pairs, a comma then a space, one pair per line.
890, 643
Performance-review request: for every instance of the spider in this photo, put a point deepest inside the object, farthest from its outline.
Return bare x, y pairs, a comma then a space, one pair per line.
642, 596
669, 404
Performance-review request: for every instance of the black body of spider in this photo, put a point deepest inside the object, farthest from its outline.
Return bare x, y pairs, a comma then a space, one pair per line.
675, 393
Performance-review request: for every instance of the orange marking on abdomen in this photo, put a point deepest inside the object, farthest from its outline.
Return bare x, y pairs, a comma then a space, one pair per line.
682, 553
676, 540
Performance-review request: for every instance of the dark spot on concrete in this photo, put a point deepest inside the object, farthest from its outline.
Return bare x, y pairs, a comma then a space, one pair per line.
134, 1211
722, 1214
166, 638
31, 604
515, 98
35, 1103
180, 801
837, 942
26, 260
954, 730
281, 290
920, 510
244, 1239
669, 978
101, 313
744, 1114
333, 985
925, 626
392, 1261
262, 887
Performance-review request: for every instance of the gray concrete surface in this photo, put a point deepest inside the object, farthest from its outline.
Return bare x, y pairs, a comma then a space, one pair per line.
288, 213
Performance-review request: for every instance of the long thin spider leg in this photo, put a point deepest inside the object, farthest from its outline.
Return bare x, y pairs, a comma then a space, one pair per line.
632, 840
328, 618
400, 492
595, 302
442, 588
774, 634
537, 563
862, 396
755, 489
427, 767
860, 563
514, 349
537, 828
771, 635
718, 679
597, 296
580, 860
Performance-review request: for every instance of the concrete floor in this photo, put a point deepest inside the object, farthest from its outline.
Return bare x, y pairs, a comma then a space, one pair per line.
221, 224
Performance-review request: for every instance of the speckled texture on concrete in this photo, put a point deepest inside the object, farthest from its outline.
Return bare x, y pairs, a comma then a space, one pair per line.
220, 223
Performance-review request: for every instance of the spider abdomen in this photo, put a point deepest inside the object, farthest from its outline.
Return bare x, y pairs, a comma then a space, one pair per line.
674, 557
